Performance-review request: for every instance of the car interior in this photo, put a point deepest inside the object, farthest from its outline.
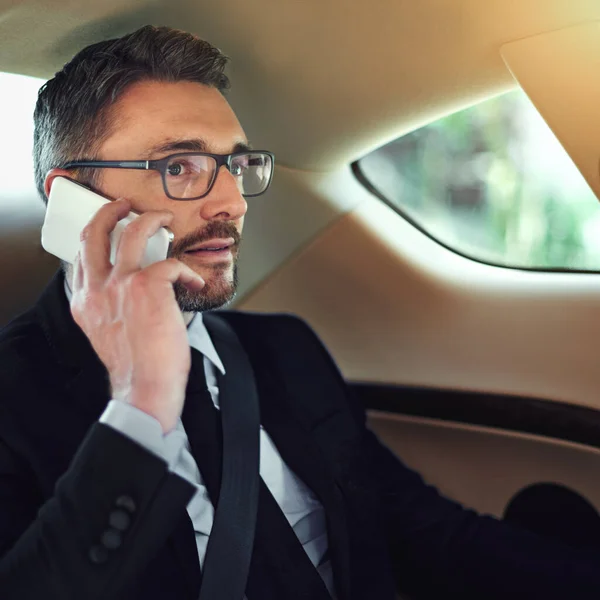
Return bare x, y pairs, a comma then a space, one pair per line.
480, 372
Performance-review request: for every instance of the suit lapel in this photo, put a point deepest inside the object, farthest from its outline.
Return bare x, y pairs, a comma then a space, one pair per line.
303, 457
86, 378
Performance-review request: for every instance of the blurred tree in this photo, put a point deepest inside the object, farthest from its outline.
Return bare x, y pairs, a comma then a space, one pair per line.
495, 184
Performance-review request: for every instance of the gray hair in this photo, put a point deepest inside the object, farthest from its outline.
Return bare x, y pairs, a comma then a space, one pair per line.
72, 116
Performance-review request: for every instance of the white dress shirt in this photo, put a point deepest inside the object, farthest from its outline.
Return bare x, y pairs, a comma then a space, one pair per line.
298, 503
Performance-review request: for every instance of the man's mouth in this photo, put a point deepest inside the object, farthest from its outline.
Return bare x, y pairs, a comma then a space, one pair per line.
221, 249
208, 249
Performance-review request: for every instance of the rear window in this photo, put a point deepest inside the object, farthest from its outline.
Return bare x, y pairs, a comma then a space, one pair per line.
492, 183
18, 196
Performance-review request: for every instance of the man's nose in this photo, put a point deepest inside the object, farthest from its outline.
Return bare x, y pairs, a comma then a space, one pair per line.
225, 200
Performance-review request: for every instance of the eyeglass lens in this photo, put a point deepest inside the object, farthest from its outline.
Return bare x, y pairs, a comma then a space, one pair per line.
190, 176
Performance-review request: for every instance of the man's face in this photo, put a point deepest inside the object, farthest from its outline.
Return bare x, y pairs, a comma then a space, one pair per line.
154, 120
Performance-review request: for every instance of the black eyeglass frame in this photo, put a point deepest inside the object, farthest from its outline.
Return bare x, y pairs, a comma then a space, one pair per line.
160, 165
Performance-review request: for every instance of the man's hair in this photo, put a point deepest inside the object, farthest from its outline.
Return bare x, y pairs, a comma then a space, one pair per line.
73, 112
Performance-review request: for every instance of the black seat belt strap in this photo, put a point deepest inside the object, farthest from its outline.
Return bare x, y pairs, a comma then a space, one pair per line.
229, 550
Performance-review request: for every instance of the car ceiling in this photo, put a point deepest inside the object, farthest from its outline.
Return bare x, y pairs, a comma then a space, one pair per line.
318, 81
321, 82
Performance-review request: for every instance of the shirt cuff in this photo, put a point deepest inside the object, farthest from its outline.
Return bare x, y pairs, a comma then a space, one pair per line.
143, 429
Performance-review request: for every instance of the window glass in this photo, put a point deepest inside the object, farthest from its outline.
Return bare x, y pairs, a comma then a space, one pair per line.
17, 188
493, 183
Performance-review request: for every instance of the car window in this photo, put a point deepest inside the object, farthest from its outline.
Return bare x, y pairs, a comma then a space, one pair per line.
17, 188
493, 183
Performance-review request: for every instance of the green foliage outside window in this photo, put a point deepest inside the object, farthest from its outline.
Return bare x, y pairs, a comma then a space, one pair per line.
493, 183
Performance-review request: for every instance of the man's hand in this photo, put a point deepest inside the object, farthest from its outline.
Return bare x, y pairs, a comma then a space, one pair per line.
130, 314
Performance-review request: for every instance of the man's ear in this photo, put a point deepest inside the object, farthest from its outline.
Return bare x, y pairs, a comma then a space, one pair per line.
52, 175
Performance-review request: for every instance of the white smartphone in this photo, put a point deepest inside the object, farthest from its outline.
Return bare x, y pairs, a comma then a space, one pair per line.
71, 206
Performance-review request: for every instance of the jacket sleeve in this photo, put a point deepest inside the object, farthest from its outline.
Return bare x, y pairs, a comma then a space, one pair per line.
441, 549
110, 514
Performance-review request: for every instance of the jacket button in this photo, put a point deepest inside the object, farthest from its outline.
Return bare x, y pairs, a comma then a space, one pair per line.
111, 539
98, 555
119, 520
127, 503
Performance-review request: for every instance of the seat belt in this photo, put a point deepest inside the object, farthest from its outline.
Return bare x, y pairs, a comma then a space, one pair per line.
229, 550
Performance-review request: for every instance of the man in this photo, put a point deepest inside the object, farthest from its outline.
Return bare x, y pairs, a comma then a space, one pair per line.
110, 442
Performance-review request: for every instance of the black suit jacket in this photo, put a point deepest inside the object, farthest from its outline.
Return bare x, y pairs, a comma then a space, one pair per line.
62, 475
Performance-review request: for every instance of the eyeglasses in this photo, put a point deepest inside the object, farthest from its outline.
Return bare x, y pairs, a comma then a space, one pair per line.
192, 175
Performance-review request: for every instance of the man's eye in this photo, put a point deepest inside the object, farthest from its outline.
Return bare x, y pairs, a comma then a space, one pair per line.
237, 169
175, 169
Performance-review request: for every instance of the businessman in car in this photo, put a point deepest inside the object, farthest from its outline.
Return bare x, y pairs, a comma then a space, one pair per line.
113, 431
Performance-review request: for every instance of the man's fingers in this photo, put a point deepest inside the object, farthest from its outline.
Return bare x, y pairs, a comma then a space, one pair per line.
173, 270
134, 240
95, 240
78, 278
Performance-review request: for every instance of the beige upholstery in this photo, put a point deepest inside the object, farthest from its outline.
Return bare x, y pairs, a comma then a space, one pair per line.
482, 467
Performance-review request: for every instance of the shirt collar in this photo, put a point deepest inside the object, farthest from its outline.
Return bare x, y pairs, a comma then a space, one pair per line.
200, 340
198, 336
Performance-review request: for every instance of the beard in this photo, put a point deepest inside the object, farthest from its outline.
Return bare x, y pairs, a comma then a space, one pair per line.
222, 278
220, 290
